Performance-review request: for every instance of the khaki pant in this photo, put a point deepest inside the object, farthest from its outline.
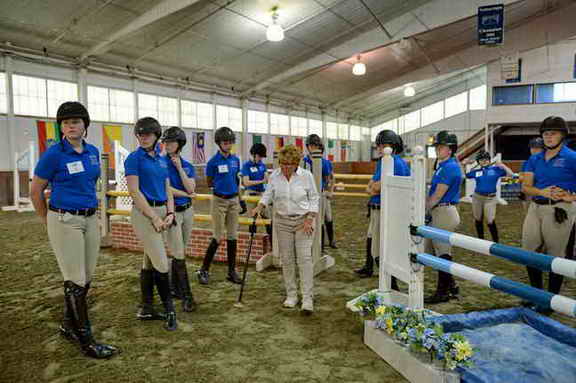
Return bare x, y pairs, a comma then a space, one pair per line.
445, 218
177, 236
295, 248
75, 241
374, 227
327, 205
541, 229
225, 217
152, 241
484, 207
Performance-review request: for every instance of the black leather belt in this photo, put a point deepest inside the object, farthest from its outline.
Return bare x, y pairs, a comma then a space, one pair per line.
544, 201
84, 212
225, 196
374, 207
156, 203
486, 194
181, 208
446, 204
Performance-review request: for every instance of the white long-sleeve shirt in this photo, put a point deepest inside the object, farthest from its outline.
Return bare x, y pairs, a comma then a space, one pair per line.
295, 197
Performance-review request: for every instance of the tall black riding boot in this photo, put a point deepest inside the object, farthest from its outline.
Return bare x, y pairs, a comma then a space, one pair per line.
181, 274
203, 275
479, 228
535, 277
446, 288
493, 232
174, 285
269, 231
146, 311
368, 269
231, 250
76, 300
163, 287
330, 233
555, 283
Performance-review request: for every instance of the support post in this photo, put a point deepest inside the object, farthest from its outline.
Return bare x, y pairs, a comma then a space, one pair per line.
104, 201
321, 262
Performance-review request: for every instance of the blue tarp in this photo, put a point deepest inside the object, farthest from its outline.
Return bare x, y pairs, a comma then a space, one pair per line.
515, 346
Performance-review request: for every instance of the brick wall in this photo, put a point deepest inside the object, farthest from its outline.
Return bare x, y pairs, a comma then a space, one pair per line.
123, 237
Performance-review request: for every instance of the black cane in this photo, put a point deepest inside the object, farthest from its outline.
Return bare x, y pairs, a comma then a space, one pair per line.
252, 229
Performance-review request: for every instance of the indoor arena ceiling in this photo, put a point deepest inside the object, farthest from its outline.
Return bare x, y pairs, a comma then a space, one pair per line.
222, 43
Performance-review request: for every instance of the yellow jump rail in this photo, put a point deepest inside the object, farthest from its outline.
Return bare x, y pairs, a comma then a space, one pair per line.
351, 186
198, 197
353, 176
199, 217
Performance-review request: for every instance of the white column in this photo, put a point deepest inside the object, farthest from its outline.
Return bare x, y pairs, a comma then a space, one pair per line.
83, 86
244, 149
10, 121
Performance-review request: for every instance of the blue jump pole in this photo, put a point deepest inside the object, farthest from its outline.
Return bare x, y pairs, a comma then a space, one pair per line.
540, 261
541, 298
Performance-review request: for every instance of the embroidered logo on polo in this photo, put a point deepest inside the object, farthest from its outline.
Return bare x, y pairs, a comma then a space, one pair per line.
559, 163
94, 159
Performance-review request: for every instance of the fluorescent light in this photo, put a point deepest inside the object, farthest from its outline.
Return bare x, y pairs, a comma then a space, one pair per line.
409, 91
359, 68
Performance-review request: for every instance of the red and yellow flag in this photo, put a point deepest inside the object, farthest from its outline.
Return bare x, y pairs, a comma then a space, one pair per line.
48, 134
111, 133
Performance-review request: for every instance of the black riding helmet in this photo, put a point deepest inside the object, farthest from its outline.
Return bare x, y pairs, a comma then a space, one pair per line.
259, 149
446, 138
175, 134
554, 123
224, 133
73, 109
148, 125
537, 142
482, 155
313, 139
389, 137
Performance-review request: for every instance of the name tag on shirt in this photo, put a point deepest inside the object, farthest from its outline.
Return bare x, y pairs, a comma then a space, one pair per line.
253, 169
222, 168
75, 167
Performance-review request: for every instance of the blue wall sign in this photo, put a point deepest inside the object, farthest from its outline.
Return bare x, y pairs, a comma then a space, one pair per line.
491, 24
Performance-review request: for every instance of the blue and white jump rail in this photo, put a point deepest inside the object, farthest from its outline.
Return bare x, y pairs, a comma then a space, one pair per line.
541, 298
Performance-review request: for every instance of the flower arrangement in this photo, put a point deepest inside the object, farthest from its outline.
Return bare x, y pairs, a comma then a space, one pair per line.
417, 330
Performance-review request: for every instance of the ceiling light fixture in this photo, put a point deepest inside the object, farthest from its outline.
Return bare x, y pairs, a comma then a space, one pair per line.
275, 32
409, 91
359, 68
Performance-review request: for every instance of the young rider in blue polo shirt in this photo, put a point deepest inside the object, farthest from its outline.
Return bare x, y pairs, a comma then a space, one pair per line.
153, 212
222, 173
72, 168
255, 177
384, 139
441, 203
314, 142
550, 178
183, 185
484, 200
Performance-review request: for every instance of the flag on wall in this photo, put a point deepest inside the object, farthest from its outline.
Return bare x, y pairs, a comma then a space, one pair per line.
300, 143
48, 134
331, 149
278, 143
111, 133
256, 139
198, 156
343, 150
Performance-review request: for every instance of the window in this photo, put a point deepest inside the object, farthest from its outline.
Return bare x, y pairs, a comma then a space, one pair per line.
343, 131
257, 122
168, 111
121, 106
331, 130
315, 127
230, 117
98, 103
205, 116
299, 126
189, 111
147, 106
478, 98
355, 133
559, 92
29, 96
279, 124
512, 95
3, 98
455, 105
411, 121
366, 131
374, 132
432, 113
58, 93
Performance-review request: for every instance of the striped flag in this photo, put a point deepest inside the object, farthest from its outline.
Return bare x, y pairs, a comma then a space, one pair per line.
198, 156
48, 134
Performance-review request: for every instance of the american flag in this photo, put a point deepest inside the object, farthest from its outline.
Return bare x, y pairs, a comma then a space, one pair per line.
198, 156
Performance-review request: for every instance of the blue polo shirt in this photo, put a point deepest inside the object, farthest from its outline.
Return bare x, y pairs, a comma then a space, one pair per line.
72, 175
486, 178
559, 171
401, 168
176, 180
326, 169
255, 171
224, 172
448, 173
152, 173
